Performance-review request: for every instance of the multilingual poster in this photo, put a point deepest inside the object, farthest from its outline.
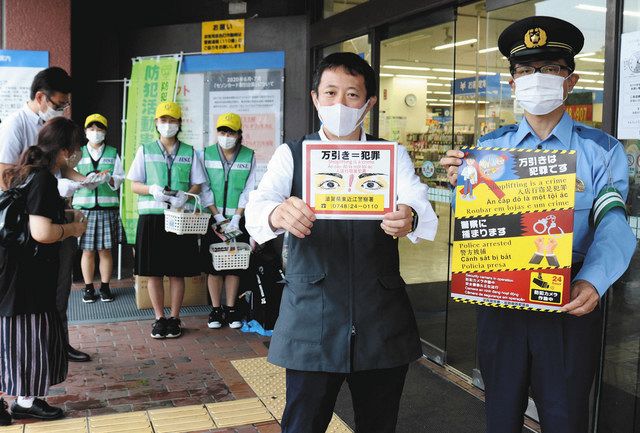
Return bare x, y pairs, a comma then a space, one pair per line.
513, 230
17, 70
629, 90
350, 179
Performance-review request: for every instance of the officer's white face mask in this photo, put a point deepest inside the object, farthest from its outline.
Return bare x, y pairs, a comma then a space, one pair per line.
226, 142
95, 137
167, 129
540, 93
341, 120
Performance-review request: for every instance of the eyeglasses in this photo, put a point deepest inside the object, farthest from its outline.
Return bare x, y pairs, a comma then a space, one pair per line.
58, 107
551, 69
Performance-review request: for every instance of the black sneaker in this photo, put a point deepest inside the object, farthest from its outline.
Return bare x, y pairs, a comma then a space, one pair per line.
5, 417
105, 295
39, 410
173, 327
159, 329
89, 296
215, 318
232, 317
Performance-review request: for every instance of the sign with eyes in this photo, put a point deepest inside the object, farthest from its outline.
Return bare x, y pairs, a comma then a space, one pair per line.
349, 179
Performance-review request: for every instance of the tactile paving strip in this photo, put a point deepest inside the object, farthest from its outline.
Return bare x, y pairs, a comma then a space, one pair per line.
239, 412
268, 384
12, 429
135, 422
275, 404
338, 426
255, 367
74, 425
181, 419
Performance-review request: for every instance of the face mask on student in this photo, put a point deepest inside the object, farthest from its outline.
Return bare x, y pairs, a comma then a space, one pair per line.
540, 93
226, 142
341, 120
50, 114
168, 129
95, 136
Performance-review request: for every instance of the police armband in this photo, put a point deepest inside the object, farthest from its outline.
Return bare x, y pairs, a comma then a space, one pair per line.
609, 198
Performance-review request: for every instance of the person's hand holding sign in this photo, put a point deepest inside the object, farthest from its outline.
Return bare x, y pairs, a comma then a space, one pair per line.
294, 216
451, 161
398, 223
584, 299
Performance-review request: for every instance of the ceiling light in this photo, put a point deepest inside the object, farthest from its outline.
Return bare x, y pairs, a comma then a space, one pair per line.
593, 60
584, 55
594, 88
586, 72
592, 8
455, 44
424, 77
386, 75
586, 80
442, 93
451, 71
408, 68
488, 50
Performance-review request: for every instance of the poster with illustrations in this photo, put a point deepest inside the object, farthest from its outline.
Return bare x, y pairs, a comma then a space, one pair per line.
349, 179
629, 90
513, 231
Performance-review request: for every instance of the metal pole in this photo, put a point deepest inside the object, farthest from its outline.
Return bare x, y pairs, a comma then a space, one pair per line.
123, 121
175, 91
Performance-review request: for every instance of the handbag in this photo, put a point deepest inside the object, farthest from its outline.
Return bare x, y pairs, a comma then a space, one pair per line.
14, 220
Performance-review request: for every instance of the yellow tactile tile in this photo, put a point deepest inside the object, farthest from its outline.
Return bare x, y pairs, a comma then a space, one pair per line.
275, 404
181, 419
134, 422
239, 412
338, 426
255, 367
12, 429
268, 384
74, 425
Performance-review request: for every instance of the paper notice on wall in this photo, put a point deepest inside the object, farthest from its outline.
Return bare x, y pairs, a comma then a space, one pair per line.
256, 96
17, 69
190, 96
629, 90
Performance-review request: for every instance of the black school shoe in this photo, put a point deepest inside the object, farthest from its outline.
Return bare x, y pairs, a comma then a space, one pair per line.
89, 296
105, 295
174, 330
74, 355
232, 317
39, 410
216, 318
159, 328
5, 417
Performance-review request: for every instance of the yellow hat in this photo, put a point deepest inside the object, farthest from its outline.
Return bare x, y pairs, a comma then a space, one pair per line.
96, 118
169, 109
230, 120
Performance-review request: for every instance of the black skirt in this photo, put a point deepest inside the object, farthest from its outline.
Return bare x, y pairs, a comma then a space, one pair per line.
207, 259
159, 253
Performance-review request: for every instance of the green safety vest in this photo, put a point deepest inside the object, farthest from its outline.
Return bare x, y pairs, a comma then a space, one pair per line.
227, 189
103, 196
178, 177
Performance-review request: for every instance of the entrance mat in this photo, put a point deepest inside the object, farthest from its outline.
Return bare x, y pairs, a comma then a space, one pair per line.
122, 309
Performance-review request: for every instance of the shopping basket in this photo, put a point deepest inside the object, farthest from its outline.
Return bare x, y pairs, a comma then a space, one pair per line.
186, 223
231, 255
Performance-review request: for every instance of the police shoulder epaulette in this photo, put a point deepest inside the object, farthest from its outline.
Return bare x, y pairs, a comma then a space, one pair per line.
498, 133
598, 136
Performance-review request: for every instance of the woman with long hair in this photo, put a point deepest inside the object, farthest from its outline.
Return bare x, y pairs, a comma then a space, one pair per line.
33, 343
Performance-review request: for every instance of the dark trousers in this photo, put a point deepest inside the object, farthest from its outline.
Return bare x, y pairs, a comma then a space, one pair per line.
554, 355
311, 397
67, 253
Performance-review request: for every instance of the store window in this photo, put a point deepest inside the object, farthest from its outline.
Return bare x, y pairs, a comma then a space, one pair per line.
332, 7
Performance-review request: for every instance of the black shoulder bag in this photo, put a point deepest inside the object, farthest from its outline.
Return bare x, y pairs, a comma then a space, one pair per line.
14, 220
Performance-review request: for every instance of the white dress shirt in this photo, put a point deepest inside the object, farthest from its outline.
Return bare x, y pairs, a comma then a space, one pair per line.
208, 197
118, 171
137, 172
275, 187
17, 132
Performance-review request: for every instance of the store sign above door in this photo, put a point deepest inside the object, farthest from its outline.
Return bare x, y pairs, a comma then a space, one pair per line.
488, 86
225, 36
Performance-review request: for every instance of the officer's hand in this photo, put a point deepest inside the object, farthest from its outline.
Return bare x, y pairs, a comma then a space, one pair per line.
584, 299
451, 161
294, 216
398, 223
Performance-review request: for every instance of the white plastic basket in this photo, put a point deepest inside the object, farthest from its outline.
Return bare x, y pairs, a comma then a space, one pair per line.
233, 255
186, 223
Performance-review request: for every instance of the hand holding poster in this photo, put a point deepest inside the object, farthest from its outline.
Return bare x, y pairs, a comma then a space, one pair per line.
349, 179
513, 230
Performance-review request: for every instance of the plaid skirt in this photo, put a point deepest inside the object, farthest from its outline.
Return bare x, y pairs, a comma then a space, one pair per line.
104, 229
33, 354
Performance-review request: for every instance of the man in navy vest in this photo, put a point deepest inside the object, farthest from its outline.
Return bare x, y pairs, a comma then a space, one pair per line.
345, 314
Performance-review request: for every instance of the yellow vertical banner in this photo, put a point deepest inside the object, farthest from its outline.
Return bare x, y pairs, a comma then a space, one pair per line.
225, 36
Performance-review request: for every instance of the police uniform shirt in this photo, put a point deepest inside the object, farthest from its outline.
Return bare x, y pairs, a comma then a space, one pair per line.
600, 158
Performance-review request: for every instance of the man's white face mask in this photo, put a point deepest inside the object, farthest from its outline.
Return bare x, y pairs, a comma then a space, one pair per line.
341, 120
540, 93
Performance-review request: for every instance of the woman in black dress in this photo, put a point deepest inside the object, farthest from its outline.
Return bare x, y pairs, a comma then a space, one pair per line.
33, 344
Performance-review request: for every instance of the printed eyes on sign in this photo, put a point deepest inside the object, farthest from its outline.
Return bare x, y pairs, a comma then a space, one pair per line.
329, 184
371, 185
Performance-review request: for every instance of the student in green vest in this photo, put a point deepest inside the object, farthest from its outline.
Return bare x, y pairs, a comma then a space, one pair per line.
230, 168
100, 206
161, 172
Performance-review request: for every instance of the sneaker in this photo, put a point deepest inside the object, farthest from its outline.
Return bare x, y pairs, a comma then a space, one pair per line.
173, 327
89, 296
232, 317
105, 295
5, 417
159, 329
215, 318
39, 410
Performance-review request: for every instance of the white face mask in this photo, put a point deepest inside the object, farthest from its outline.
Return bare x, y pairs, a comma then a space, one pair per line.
540, 93
95, 136
168, 129
341, 120
226, 142
50, 114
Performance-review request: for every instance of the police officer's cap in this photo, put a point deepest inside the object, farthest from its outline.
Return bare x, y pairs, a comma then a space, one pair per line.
539, 37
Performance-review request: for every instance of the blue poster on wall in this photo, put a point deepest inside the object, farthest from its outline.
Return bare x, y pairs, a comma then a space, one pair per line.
485, 86
17, 69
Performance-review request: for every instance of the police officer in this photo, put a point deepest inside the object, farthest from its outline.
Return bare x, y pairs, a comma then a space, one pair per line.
554, 355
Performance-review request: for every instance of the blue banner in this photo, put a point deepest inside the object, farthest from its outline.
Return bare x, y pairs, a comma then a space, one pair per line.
24, 59
233, 62
488, 86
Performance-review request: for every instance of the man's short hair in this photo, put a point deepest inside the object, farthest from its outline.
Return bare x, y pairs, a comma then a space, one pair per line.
50, 80
353, 64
